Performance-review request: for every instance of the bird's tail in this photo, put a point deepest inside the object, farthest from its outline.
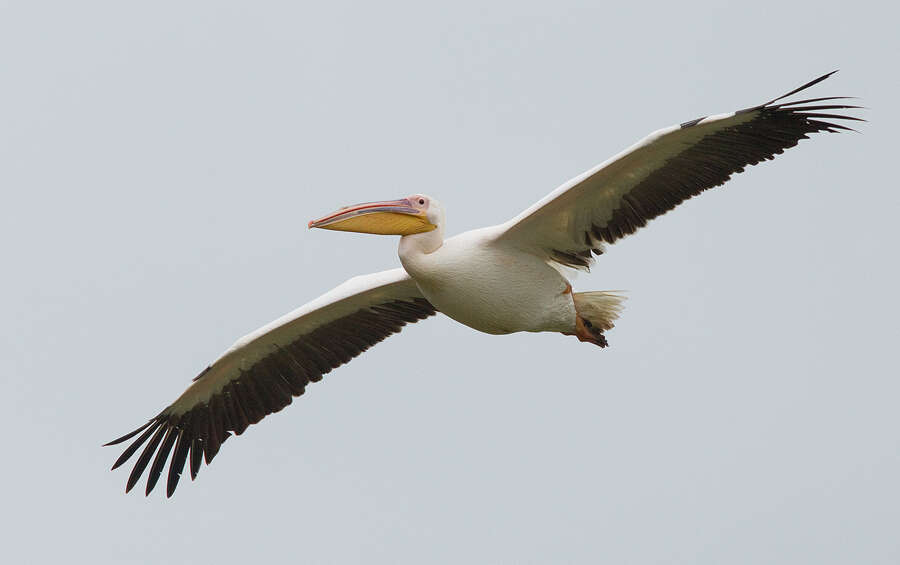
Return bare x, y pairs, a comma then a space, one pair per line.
600, 307
595, 313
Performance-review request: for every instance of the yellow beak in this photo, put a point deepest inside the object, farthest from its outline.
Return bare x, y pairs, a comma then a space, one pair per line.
390, 217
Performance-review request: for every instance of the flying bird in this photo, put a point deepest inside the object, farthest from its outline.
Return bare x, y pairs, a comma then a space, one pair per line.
501, 279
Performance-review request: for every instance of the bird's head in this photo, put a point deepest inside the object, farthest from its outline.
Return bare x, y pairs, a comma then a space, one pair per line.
406, 216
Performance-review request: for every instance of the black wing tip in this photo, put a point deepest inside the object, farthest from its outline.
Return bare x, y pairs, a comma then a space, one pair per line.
820, 99
154, 432
129, 435
809, 84
810, 112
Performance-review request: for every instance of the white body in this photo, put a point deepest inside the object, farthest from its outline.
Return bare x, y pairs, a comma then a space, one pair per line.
489, 285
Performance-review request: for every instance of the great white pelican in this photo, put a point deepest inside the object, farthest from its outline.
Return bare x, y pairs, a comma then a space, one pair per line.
498, 280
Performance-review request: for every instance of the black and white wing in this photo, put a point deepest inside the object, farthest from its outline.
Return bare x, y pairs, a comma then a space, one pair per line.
262, 371
664, 169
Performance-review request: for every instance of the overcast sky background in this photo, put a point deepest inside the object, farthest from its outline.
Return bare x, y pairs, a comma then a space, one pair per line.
158, 165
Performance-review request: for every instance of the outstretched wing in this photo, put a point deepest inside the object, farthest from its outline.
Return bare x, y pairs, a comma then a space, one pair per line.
263, 370
662, 170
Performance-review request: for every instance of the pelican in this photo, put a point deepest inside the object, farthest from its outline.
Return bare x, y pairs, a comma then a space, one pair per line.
507, 278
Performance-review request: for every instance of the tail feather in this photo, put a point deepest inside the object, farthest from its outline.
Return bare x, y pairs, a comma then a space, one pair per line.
600, 308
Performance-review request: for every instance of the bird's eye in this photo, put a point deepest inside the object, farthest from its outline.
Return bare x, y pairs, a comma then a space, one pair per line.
421, 201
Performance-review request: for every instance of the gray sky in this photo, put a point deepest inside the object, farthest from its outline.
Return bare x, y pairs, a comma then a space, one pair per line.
159, 165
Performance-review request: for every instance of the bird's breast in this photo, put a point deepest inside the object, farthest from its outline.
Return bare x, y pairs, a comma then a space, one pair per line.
492, 289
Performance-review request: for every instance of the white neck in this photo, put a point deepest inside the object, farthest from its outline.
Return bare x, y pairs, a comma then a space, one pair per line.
416, 247
422, 243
